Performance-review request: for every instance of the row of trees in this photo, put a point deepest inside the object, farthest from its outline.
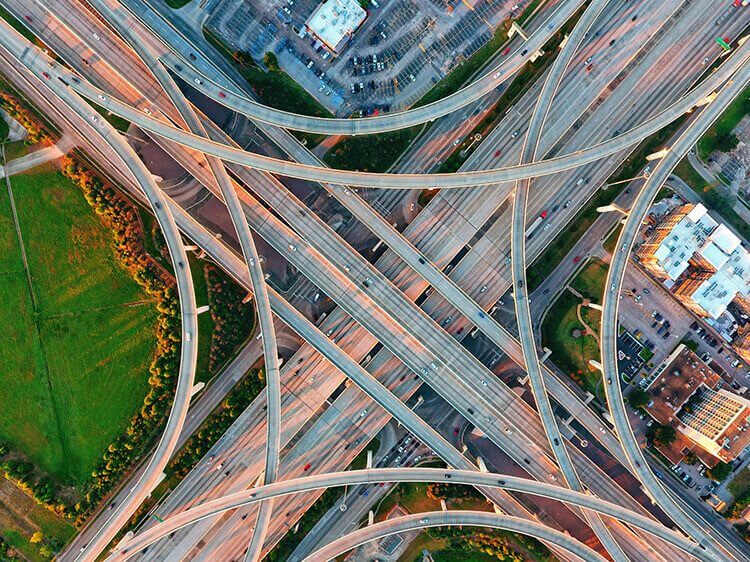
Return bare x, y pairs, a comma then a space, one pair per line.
39, 486
233, 320
121, 217
20, 112
217, 423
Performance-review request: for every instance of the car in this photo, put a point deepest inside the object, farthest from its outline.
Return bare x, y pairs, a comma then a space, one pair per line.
307, 467
515, 133
455, 431
497, 153
198, 81
589, 68
506, 51
694, 326
96, 36
567, 204
28, 18
222, 95
47, 76
292, 247
546, 226
220, 465
646, 291
588, 60
188, 335
612, 42
484, 382
654, 324
447, 320
524, 52
576, 259
705, 61
736, 363
192, 56
612, 288
363, 413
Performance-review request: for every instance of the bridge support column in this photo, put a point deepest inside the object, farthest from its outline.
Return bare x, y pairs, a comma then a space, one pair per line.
197, 387
249, 297
202, 309
369, 458
612, 207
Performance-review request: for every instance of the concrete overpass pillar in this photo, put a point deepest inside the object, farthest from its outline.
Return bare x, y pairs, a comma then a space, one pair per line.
191, 248
202, 309
596, 365
369, 458
612, 207
443, 506
705, 101
515, 28
370, 518
547, 353
596, 306
197, 387
201, 254
657, 155
249, 297
482, 465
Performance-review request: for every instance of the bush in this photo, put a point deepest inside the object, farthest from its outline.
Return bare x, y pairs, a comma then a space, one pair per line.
661, 435
271, 62
638, 397
720, 471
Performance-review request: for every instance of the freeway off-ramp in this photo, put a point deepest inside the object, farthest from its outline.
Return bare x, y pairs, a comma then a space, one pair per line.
412, 181
369, 125
612, 290
375, 476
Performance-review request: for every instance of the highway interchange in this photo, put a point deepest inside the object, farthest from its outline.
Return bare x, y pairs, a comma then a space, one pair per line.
406, 331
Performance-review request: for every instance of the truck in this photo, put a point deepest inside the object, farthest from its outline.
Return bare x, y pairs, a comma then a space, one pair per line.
535, 225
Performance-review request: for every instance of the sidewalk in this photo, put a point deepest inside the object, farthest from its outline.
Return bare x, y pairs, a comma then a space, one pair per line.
37, 157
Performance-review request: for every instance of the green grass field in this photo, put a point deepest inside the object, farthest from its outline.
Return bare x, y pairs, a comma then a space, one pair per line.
569, 354
76, 364
590, 280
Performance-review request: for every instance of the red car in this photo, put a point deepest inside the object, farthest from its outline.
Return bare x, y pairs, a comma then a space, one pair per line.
28, 18
307, 467
506, 51
497, 153
455, 431
222, 95
576, 259
46, 75
589, 67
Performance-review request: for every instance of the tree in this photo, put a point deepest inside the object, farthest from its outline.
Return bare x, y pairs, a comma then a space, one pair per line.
37, 537
638, 397
720, 471
661, 435
271, 62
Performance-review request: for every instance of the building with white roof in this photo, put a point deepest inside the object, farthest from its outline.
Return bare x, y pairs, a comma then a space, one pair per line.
335, 21
700, 260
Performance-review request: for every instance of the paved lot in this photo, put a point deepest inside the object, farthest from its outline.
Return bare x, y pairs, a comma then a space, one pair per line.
401, 50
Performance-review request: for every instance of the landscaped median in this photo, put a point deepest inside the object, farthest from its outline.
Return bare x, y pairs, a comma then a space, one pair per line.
564, 327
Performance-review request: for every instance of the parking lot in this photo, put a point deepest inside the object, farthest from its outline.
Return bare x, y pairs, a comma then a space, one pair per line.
659, 322
401, 50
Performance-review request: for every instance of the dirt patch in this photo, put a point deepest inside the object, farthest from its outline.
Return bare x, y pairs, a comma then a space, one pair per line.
15, 507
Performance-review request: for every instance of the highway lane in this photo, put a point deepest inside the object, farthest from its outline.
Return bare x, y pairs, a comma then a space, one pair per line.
386, 122
482, 480
611, 302
404, 181
250, 254
482, 519
14, 44
518, 264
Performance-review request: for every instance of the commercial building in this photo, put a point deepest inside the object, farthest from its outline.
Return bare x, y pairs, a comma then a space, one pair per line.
704, 263
688, 395
334, 22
